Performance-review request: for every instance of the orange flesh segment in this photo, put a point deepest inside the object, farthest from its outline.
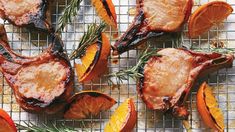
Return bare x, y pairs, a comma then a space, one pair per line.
120, 117
213, 108
87, 60
90, 55
80, 69
5, 126
208, 15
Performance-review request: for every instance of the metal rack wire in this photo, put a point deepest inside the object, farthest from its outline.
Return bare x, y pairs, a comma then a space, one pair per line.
29, 43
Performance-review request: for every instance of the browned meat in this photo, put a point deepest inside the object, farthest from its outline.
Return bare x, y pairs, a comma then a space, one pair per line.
26, 13
154, 17
169, 78
40, 83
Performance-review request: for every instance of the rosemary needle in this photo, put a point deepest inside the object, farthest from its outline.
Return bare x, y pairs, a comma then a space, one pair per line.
94, 31
70, 11
135, 71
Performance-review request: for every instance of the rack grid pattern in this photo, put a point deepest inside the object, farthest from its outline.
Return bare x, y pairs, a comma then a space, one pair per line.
32, 43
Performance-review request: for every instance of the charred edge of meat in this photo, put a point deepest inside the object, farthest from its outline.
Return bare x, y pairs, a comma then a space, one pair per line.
58, 50
38, 21
57, 105
57, 100
6, 54
60, 103
180, 112
57, 44
134, 36
34, 105
3, 35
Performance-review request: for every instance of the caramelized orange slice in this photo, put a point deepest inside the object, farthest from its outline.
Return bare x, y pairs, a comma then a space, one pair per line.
206, 16
95, 60
208, 108
88, 103
123, 119
6, 123
106, 10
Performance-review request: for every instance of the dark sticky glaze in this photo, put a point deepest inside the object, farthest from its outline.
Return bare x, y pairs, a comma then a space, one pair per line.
206, 63
106, 6
37, 21
5, 53
135, 35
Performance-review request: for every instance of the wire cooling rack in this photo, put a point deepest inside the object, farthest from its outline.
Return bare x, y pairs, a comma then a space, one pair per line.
31, 43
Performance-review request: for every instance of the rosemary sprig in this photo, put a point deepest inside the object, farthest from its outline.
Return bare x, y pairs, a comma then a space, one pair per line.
30, 127
70, 11
92, 34
134, 72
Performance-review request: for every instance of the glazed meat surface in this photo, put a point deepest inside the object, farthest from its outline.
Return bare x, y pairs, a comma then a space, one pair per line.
40, 83
165, 15
26, 13
169, 69
154, 18
169, 78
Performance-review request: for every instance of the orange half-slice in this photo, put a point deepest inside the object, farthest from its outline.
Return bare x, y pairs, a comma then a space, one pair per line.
123, 119
87, 103
208, 108
95, 61
106, 10
206, 16
6, 123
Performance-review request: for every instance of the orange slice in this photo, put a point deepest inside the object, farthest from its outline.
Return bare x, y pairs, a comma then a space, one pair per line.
86, 103
123, 119
6, 123
95, 61
208, 108
106, 10
206, 16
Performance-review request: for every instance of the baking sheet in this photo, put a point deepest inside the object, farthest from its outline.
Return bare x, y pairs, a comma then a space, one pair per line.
223, 81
